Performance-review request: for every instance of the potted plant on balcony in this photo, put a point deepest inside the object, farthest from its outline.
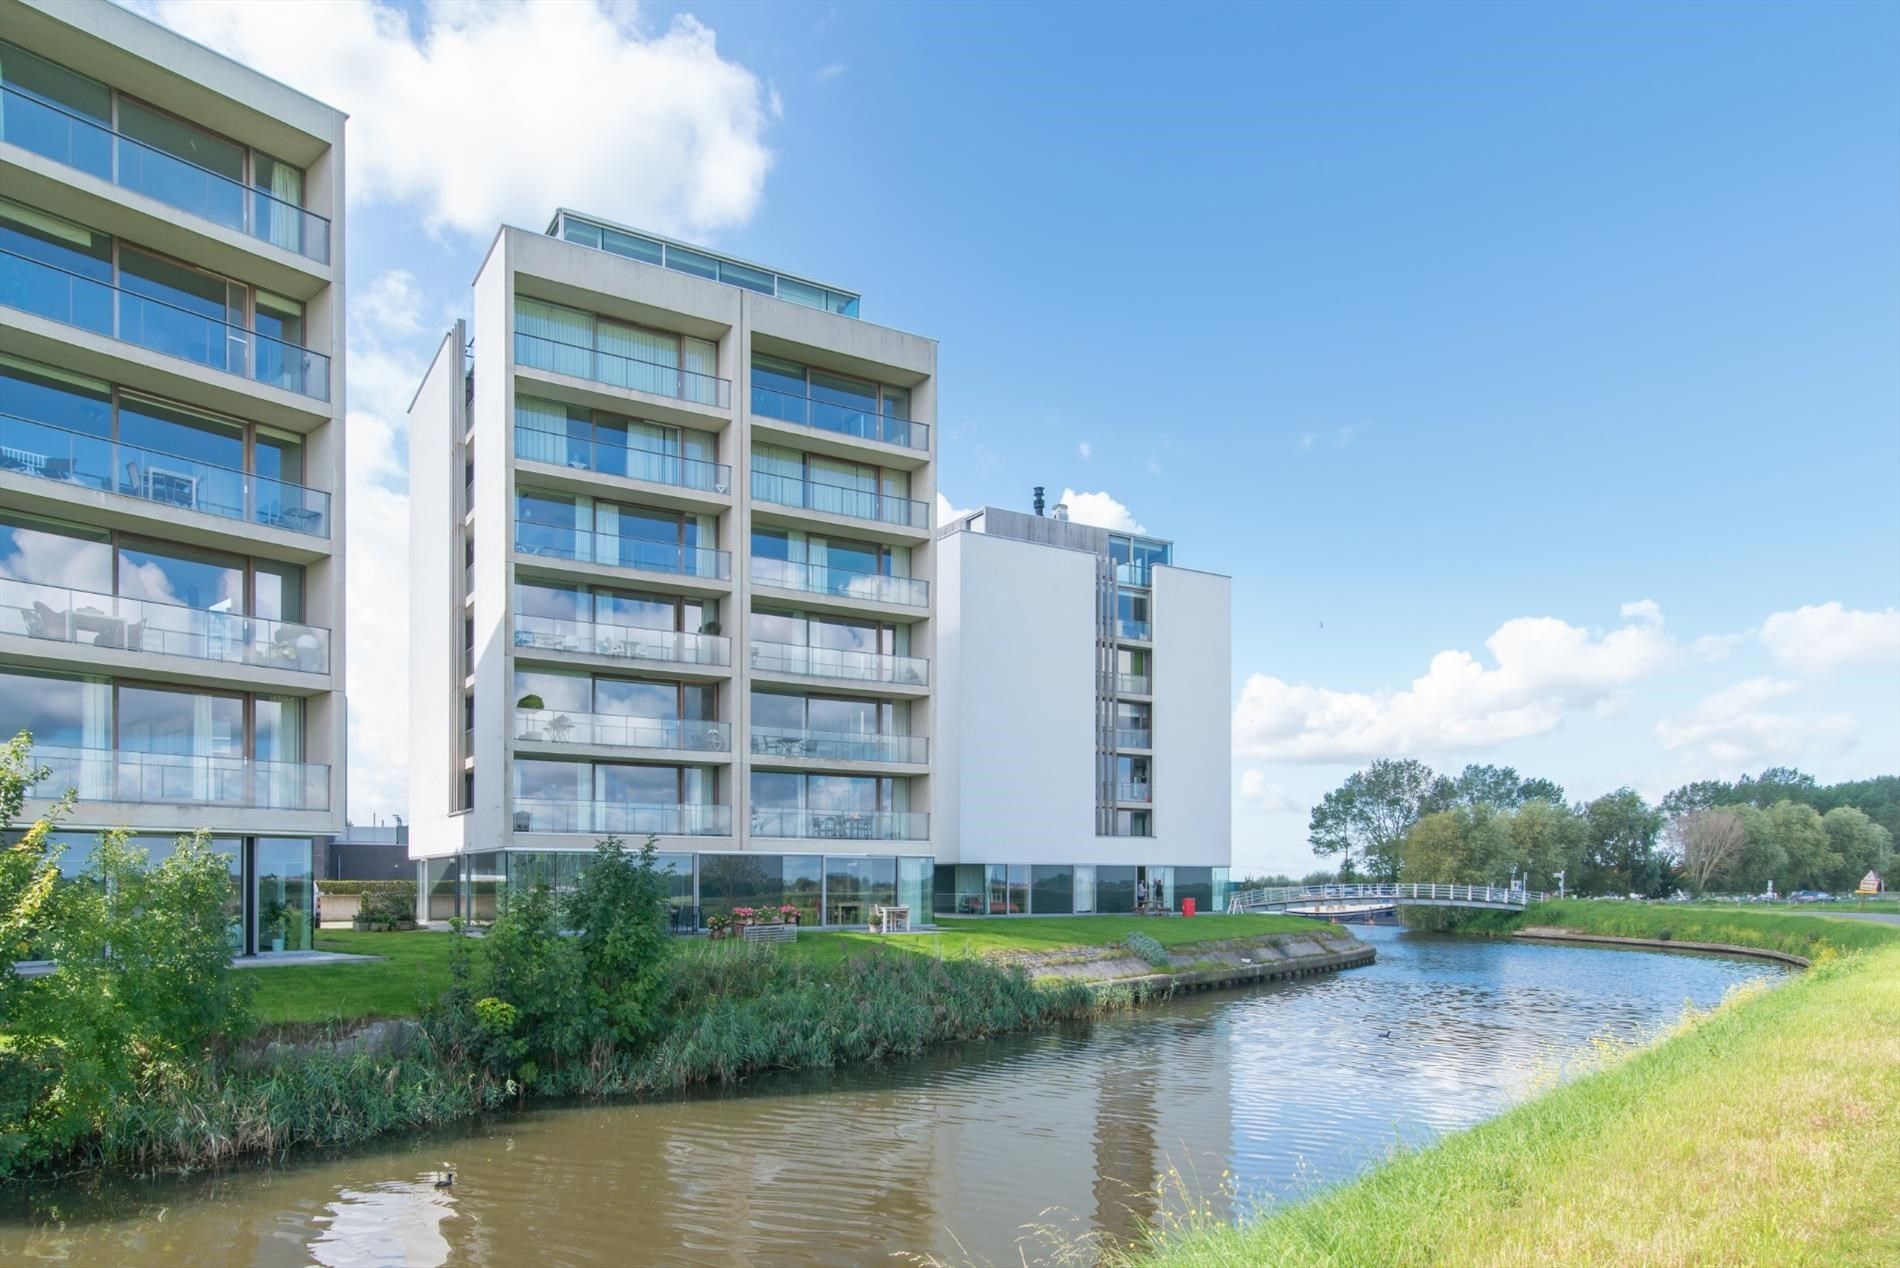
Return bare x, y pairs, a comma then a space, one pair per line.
709, 627
560, 727
530, 730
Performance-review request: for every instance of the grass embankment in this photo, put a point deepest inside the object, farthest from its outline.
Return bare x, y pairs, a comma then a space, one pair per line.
415, 966
1765, 1133
1794, 933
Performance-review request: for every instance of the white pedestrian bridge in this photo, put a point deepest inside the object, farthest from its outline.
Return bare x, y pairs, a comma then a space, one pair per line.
1329, 900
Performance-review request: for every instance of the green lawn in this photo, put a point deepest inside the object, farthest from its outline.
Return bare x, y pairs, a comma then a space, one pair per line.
417, 964
415, 968
1768, 1134
1798, 932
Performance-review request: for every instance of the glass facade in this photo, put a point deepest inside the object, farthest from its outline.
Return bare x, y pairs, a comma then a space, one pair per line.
269, 904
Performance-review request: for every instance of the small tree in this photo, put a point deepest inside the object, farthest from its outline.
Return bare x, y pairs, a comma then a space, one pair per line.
618, 911
1706, 844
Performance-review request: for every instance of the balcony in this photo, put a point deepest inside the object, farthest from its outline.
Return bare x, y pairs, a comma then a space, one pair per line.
164, 479
1133, 794
623, 642
102, 621
50, 131
1135, 572
838, 583
1132, 737
532, 444
585, 547
533, 814
102, 774
1134, 631
612, 730
579, 361
72, 300
841, 825
1134, 685
835, 499
839, 418
835, 662
839, 746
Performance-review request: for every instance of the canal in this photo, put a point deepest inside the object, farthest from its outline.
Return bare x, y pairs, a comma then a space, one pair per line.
983, 1153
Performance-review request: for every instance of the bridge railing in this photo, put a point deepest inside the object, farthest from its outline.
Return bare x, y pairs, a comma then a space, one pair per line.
1288, 895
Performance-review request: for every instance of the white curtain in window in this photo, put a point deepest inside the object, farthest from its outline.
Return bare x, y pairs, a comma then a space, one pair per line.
540, 430
701, 357
95, 775
286, 215
645, 360
560, 339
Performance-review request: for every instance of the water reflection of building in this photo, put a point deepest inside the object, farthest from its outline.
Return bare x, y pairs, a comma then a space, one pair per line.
171, 438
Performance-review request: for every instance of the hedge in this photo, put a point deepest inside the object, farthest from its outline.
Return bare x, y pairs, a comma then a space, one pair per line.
367, 887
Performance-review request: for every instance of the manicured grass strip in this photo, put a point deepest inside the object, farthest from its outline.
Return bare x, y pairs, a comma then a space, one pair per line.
413, 971
1767, 1134
978, 936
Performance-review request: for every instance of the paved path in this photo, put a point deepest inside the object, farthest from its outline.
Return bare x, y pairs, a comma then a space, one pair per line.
1885, 918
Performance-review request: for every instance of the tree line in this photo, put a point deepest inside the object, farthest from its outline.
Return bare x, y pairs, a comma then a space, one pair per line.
1399, 820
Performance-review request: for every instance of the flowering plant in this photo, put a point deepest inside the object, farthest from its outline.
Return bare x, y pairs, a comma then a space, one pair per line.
788, 913
745, 915
717, 925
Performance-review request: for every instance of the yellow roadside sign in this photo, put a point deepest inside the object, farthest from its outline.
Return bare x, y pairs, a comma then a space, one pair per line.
1869, 884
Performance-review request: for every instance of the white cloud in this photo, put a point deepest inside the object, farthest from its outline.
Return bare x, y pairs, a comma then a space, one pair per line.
1822, 638
655, 129
1647, 611
1100, 510
948, 510
1544, 668
1733, 728
1268, 798
1085, 451
1715, 646
830, 72
391, 304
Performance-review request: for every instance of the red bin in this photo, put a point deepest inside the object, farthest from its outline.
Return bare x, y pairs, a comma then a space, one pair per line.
1187, 906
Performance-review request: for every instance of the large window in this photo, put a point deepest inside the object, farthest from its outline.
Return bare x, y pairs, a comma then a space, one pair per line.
854, 885
761, 881
593, 440
1052, 890
571, 341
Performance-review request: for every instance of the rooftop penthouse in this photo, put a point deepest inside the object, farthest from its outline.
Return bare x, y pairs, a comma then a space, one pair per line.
651, 248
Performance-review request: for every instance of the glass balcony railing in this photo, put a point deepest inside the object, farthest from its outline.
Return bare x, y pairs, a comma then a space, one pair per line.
839, 746
1133, 737
33, 286
841, 825
837, 662
35, 124
1134, 684
542, 353
1135, 572
613, 730
165, 629
533, 814
1137, 793
1139, 631
622, 552
103, 774
532, 444
818, 579
841, 418
169, 480
834, 499
628, 642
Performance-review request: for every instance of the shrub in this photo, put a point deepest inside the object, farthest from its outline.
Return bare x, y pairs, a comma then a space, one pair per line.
1148, 949
618, 913
369, 887
388, 906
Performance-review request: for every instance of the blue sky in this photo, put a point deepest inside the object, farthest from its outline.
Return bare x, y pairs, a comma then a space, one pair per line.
1574, 328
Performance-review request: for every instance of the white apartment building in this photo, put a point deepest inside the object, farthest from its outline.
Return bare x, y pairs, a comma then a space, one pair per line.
672, 573
171, 446
1084, 755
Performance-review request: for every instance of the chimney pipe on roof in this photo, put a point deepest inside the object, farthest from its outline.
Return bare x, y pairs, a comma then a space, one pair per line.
1037, 502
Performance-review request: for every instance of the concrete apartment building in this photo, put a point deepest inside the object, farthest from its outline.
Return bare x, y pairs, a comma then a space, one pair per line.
672, 573
1084, 757
171, 446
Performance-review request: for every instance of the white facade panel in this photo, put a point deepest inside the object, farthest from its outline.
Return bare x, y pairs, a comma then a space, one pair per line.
1193, 753
1017, 691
